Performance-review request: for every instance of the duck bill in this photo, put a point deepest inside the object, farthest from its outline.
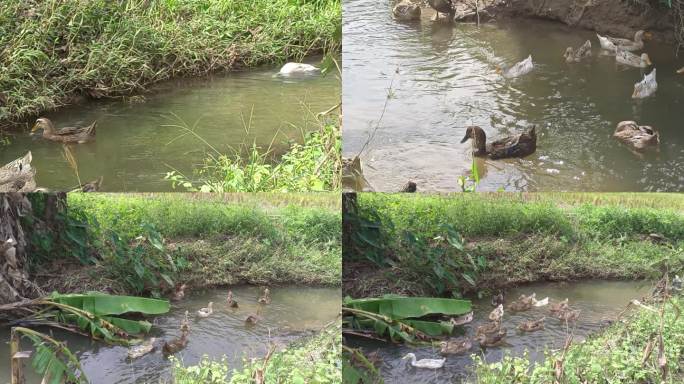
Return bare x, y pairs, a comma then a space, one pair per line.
35, 128
465, 138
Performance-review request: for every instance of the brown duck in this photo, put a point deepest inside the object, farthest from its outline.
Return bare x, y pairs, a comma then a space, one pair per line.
442, 6
522, 304
488, 328
559, 306
266, 298
638, 137
230, 301
177, 344
532, 325
67, 134
456, 346
492, 340
519, 145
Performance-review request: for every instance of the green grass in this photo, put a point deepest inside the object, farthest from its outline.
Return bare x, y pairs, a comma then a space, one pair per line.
55, 51
135, 244
315, 361
522, 237
615, 355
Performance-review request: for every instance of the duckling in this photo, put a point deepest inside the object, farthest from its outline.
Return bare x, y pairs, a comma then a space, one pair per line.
521, 145
231, 302
610, 43
206, 312
575, 56
142, 349
298, 69
498, 299
179, 293
518, 69
175, 345
646, 87
266, 298
628, 58
406, 11
560, 306
492, 340
457, 346
569, 315
639, 137
532, 325
497, 313
424, 363
77, 135
442, 6
488, 328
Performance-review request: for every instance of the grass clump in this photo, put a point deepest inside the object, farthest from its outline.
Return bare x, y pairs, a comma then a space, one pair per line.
616, 355
317, 360
313, 165
56, 50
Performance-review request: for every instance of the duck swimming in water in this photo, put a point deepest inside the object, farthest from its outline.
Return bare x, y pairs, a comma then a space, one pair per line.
424, 363
628, 58
206, 312
520, 145
77, 135
492, 340
611, 43
497, 313
572, 55
456, 346
646, 87
266, 298
230, 301
638, 137
406, 11
559, 306
532, 325
498, 299
518, 69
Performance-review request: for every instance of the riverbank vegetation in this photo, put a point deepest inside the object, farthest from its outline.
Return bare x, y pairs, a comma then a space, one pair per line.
57, 52
497, 240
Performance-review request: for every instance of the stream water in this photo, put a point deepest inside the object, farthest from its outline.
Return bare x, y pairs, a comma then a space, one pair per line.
294, 313
447, 80
599, 302
134, 149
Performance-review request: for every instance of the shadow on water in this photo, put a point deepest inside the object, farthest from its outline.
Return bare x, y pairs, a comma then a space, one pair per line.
294, 313
134, 150
599, 301
447, 80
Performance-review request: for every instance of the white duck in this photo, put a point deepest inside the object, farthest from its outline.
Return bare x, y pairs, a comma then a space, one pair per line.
516, 70
142, 349
610, 43
540, 303
628, 58
606, 43
425, 363
298, 68
206, 312
646, 87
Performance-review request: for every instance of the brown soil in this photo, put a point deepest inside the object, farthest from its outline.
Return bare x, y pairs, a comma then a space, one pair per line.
613, 17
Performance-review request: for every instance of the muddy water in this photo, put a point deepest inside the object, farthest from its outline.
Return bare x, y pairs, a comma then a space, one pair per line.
447, 80
599, 301
134, 149
294, 313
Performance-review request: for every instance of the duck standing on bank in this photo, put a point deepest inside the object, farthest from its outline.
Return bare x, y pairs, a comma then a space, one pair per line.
443, 6
521, 145
77, 135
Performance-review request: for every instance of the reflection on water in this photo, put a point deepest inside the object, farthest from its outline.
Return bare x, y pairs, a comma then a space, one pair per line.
293, 313
134, 149
599, 301
447, 80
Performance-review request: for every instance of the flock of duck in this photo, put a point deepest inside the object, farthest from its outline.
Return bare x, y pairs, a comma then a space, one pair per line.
176, 344
492, 334
637, 137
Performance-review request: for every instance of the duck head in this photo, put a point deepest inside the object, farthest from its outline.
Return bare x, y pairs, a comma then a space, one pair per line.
646, 59
568, 53
45, 124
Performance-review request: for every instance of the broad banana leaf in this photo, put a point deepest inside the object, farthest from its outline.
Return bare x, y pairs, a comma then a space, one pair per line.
101, 304
399, 307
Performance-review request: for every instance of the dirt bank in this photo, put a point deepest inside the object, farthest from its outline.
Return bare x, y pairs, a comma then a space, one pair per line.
613, 17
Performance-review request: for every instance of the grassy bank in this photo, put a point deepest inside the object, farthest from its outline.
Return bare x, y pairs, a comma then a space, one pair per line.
147, 243
317, 360
627, 352
58, 51
500, 240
